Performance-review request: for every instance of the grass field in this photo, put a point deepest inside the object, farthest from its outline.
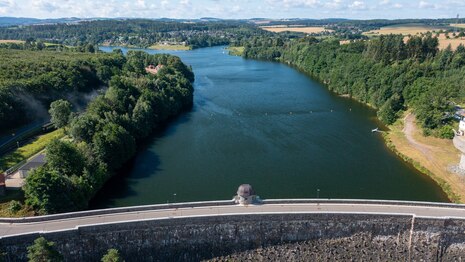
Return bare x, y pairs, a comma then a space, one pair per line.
29, 150
458, 25
5, 202
171, 47
403, 29
22, 42
11, 41
307, 30
453, 42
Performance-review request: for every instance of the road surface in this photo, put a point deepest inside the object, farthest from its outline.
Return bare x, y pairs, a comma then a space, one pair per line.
7, 229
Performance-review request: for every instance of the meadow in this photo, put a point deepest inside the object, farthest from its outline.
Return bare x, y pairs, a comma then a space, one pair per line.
404, 30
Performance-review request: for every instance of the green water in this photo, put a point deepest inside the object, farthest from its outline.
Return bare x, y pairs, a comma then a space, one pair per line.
269, 125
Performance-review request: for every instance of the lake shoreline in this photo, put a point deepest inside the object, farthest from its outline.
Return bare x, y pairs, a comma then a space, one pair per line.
431, 156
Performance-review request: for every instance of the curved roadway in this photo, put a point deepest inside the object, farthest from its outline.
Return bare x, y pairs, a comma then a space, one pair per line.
413, 209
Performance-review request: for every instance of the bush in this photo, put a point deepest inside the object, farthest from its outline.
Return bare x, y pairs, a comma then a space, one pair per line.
446, 132
42, 250
112, 256
14, 206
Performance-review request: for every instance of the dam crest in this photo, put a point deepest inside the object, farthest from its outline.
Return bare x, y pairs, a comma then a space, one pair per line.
306, 229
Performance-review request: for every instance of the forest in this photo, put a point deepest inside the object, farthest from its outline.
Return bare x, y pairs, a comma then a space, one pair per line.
387, 73
30, 78
103, 137
134, 32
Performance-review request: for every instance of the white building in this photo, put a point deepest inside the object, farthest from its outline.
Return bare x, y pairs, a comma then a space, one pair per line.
459, 143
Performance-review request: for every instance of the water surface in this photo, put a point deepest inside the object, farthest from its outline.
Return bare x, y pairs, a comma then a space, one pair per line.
269, 125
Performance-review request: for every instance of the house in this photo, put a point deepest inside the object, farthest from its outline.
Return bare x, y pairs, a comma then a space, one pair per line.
153, 69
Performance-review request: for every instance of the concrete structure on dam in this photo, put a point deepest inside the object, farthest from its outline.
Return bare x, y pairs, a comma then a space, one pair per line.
307, 230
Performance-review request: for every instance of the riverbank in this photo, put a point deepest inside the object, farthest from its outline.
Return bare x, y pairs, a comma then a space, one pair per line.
432, 156
236, 50
171, 47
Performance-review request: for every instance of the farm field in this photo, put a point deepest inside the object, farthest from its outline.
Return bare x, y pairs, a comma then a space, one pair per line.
444, 42
452, 41
458, 25
307, 30
406, 30
402, 29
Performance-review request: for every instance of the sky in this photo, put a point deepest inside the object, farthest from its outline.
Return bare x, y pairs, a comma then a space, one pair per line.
356, 9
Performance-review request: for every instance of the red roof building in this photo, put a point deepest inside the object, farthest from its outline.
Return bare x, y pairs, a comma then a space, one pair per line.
153, 69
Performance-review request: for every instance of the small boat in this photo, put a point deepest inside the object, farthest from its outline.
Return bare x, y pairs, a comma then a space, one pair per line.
375, 130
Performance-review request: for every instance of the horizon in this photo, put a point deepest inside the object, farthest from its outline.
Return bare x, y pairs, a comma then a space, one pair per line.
234, 9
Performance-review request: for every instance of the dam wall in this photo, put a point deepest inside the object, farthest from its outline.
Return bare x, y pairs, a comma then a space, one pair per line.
308, 236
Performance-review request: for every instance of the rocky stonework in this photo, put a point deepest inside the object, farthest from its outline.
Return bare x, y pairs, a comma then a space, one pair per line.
359, 247
294, 237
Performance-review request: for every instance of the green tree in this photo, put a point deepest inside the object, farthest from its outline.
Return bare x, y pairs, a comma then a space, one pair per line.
65, 158
49, 192
83, 127
60, 111
112, 255
114, 145
388, 112
43, 251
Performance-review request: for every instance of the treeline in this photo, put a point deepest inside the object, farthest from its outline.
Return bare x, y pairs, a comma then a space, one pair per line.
105, 136
31, 80
387, 73
133, 32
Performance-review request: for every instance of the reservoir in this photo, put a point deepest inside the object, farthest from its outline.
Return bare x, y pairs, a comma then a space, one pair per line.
269, 125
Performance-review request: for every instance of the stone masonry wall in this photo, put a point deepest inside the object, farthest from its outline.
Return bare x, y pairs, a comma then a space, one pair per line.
361, 237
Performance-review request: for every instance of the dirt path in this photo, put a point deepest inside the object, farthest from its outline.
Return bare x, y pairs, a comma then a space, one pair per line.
409, 129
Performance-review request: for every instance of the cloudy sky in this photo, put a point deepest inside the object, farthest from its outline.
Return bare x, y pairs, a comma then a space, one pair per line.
359, 9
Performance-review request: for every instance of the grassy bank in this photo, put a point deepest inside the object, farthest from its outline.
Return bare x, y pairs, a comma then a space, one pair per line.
236, 50
171, 47
12, 205
431, 156
26, 151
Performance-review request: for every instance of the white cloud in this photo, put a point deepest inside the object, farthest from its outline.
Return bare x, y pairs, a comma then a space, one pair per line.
335, 4
7, 6
425, 5
234, 8
46, 6
294, 3
140, 4
164, 4
185, 2
358, 5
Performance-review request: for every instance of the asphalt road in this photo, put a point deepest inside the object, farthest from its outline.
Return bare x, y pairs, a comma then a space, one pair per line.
7, 229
